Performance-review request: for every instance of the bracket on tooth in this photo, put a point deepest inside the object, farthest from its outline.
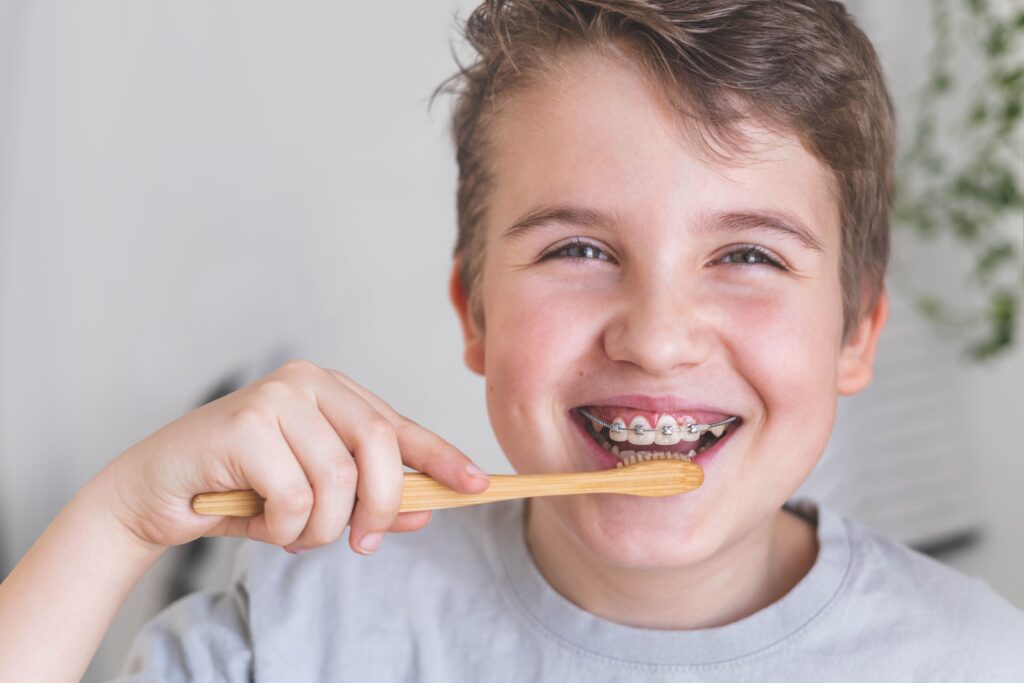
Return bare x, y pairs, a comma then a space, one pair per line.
716, 428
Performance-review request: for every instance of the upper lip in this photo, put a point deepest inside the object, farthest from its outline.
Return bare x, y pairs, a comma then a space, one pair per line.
657, 404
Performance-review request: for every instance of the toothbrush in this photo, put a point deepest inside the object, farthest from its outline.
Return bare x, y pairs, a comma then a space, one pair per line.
657, 476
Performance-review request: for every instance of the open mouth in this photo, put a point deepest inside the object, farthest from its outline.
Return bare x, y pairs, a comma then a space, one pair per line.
626, 444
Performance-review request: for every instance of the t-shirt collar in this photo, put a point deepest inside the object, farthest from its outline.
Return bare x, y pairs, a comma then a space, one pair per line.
575, 627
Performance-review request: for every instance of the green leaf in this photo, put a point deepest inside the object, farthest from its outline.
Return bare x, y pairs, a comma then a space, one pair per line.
997, 41
979, 112
1008, 80
965, 225
992, 258
965, 187
1002, 318
941, 82
929, 307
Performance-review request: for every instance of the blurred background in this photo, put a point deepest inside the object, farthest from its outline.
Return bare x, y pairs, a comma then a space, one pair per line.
193, 192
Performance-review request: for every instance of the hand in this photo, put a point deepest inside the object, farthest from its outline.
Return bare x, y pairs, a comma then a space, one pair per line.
309, 440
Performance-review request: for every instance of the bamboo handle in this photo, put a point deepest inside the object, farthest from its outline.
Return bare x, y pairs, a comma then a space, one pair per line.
420, 492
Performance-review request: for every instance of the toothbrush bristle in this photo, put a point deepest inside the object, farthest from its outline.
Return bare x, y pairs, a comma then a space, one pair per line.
647, 457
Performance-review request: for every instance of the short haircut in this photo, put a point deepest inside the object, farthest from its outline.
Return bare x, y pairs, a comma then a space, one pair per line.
801, 67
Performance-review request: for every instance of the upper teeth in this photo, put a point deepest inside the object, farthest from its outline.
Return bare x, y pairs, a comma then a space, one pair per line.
668, 432
640, 432
618, 430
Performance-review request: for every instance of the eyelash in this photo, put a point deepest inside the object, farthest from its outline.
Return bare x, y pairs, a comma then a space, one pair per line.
763, 253
575, 244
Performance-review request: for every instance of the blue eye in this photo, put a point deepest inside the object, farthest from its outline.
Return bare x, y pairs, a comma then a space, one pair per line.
578, 251
751, 255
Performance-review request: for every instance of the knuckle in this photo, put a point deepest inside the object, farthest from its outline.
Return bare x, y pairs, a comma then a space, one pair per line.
249, 419
299, 367
406, 427
376, 428
380, 511
275, 391
341, 473
296, 499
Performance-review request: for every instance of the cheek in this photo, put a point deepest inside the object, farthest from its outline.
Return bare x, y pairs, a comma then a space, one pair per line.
787, 349
533, 341
540, 329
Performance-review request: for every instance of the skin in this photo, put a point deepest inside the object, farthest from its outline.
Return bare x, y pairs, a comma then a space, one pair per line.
657, 311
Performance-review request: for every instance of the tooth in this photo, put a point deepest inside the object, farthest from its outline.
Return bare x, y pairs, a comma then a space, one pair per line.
607, 446
663, 439
615, 450
687, 435
717, 430
692, 453
620, 435
626, 454
644, 439
596, 425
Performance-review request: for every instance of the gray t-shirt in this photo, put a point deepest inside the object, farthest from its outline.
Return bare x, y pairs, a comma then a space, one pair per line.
461, 600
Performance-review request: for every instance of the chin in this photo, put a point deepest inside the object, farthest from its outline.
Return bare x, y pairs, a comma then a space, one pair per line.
629, 532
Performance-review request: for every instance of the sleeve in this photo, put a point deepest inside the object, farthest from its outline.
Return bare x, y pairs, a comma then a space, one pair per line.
204, 636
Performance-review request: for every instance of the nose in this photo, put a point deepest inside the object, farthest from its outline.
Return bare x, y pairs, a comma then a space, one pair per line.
656, 328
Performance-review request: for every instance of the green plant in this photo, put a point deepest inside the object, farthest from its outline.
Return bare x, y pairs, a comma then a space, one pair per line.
972, 189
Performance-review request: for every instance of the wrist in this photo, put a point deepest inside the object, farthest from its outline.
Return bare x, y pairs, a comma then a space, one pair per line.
100, 498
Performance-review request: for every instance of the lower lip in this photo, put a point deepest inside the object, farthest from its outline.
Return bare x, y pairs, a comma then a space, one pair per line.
607, 460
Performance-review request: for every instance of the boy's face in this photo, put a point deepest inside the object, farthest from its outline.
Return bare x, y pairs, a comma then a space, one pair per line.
665, 308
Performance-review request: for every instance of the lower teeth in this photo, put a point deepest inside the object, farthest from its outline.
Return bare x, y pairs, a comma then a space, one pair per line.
623, 455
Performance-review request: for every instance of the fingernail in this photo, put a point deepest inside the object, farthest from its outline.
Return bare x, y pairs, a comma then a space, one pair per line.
475, 471
371, 542
296, 551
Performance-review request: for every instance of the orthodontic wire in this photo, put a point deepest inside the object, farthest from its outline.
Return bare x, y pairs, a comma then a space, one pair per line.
667, 430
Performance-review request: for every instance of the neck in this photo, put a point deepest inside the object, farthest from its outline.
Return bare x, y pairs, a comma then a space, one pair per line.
743, 578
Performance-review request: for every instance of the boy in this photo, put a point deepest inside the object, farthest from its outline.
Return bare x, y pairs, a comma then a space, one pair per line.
669, 212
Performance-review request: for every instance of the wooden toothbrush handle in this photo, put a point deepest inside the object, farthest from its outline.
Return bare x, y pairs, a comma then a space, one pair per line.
420, 492
423, 493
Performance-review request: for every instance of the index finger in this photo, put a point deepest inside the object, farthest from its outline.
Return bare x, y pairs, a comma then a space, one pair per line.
422, 449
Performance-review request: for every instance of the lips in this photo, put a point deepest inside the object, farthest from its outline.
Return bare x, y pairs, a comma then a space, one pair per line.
627, 414
628, 406
603, 459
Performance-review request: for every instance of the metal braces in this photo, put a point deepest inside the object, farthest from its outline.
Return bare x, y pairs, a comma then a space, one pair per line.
667, 430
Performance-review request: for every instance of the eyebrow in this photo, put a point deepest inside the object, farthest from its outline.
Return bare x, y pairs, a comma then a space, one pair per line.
763, 220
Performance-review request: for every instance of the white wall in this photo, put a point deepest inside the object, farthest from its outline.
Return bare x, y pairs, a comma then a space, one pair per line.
192, 188
980, 402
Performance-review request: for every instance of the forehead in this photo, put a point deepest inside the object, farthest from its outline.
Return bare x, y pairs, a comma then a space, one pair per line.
595, 133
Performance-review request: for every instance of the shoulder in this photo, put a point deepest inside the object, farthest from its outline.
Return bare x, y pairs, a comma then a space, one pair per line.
915, 599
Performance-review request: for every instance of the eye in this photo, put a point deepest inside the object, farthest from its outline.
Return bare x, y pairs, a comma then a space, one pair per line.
751, 255
577, 250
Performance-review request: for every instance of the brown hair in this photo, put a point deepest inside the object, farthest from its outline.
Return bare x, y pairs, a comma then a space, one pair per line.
800, 66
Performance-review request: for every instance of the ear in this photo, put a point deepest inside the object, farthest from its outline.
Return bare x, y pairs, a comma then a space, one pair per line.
857, 357
473, 338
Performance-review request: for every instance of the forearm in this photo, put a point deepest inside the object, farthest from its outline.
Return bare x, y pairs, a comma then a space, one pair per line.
59, 601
